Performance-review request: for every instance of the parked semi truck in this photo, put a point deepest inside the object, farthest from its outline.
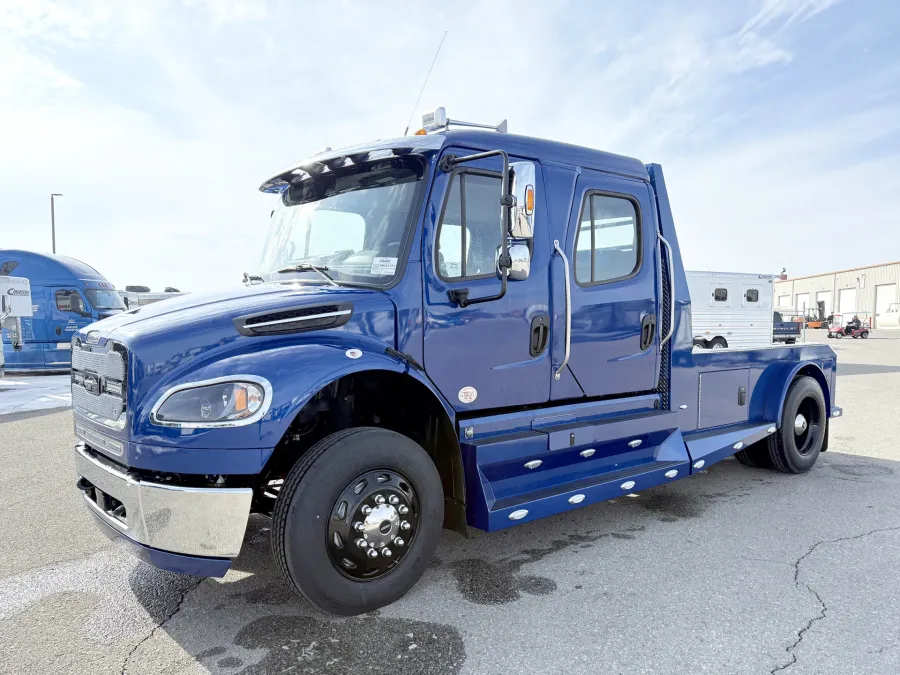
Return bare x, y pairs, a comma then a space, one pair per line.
67, 294
462, 328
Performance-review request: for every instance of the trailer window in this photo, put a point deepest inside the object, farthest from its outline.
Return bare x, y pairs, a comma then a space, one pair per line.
607, 246
69, 301
752, 295
720, 295
469, 233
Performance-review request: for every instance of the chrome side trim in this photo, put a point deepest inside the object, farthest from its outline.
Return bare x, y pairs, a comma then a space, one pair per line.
297, 319
194, 521
565, 260
255, 417
671, 291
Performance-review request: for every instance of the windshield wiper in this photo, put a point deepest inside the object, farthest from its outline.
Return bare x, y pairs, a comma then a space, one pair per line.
322, 270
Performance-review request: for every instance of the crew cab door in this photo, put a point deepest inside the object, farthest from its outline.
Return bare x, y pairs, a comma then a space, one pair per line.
493, 354
611, 246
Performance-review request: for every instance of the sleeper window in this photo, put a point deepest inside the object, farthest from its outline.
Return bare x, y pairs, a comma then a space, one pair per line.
470, 229
607, 243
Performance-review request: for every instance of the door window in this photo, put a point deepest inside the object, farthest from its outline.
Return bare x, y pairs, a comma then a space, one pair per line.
69, 301
469, 233
607, 246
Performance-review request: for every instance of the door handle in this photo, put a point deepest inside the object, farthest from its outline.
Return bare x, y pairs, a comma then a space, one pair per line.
540, 333
648, 331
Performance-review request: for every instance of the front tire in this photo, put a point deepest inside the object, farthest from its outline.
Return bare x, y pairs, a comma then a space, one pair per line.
323, 512
795, 447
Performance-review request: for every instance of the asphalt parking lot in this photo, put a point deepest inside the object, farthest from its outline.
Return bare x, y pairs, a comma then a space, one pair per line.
734, 570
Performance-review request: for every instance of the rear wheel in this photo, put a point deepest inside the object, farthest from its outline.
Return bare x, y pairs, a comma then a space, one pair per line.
358, 519
718, 343
755, 456
795, 447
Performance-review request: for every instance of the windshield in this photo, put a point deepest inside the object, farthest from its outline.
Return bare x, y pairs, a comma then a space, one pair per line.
352, 222
101, 299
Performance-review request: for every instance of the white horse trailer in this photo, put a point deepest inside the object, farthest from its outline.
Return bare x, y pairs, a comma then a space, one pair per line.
731, 309
15, 304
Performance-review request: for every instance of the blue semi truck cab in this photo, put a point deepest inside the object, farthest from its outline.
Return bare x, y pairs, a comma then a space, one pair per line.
67, 295
461, 328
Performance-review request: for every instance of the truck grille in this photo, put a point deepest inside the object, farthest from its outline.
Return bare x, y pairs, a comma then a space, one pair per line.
99, 381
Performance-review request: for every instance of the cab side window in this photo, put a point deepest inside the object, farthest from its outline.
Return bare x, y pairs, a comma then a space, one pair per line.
469, 233
69, 301
607, 246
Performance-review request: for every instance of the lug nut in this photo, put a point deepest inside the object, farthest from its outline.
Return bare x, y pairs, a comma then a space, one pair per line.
394, 499
379, 499
362, 543
403, 509
386, 552
358, 526
398, 541
372, 553
366, 510
404, 525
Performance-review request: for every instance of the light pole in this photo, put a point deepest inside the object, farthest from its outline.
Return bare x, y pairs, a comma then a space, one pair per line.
53, 219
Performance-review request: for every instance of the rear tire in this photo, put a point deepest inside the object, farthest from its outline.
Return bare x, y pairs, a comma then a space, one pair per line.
756, 456
795, 447
320, 497
718, 343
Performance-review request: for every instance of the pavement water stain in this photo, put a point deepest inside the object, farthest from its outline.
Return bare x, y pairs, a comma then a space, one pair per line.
861, 470
486, 582
299, 644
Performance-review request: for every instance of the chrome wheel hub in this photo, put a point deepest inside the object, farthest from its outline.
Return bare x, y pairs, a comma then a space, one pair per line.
372, 525
800, 425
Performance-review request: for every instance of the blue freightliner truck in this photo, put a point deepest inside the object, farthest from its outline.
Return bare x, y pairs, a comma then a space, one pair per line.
67, 294
463, 328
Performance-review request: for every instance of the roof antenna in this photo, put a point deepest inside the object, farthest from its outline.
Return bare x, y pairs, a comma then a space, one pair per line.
413, 113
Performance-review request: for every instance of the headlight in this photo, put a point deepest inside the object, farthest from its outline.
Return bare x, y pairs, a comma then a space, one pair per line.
213, 403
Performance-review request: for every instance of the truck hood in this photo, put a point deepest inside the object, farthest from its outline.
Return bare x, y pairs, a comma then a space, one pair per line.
169, 339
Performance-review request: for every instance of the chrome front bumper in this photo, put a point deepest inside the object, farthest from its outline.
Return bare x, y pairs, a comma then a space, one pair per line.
191, 521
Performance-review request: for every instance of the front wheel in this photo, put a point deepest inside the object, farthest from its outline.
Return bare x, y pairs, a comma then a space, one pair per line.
865, 335
358, 519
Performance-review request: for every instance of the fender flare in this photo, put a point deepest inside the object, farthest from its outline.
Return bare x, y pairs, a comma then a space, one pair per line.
777, 390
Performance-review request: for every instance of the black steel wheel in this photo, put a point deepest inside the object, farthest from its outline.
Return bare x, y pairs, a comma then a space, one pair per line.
373, 524
358, 519
797, 444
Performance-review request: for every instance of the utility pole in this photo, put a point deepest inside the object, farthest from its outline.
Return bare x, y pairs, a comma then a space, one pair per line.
53, 219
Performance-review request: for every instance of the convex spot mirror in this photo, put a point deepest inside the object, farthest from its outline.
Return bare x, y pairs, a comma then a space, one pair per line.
521, 222
521, 262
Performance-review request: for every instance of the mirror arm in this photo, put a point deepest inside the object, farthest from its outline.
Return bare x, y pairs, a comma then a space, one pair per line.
447, 164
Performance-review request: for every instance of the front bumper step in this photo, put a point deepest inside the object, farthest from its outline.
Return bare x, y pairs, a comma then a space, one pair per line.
192, 521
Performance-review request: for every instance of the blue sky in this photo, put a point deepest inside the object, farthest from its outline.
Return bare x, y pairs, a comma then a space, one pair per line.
777, 121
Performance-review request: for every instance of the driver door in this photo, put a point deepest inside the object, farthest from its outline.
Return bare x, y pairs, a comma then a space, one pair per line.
481, 356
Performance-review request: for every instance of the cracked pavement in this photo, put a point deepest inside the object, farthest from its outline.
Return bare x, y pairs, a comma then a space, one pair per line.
735, 570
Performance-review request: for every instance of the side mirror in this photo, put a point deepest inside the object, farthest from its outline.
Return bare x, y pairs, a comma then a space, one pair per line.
521, 223
521, 262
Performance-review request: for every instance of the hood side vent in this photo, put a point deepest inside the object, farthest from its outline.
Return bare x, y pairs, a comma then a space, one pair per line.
294, 319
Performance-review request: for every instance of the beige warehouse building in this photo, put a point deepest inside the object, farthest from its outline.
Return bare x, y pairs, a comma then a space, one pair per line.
872, 289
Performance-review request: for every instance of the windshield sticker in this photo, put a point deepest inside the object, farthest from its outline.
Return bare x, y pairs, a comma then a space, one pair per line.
383, 265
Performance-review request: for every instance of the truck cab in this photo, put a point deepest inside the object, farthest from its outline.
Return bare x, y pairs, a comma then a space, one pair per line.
67, 295
462, 328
